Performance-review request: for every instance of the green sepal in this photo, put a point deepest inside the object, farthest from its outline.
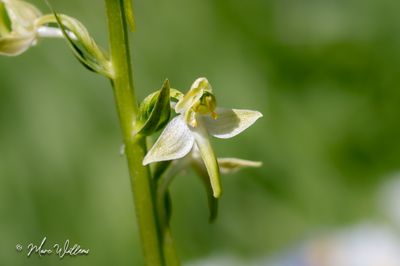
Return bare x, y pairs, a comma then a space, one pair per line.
154, 111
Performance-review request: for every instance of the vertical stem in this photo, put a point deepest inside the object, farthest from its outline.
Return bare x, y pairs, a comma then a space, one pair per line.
169, 249
125, 99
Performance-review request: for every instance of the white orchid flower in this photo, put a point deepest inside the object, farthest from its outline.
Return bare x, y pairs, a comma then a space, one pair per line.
21, 26
198, 118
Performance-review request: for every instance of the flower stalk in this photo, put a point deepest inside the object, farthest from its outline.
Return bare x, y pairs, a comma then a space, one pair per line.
135, 146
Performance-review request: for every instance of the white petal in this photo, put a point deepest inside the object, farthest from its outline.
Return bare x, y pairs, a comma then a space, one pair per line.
231, 165
209, 159
230, 122
174, 142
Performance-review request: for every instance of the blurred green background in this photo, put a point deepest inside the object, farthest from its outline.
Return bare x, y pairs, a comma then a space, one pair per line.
325, 74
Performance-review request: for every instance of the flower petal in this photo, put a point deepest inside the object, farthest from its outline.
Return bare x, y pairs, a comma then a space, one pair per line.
230, 122
174, 142
12, 46
208, 156
231, 165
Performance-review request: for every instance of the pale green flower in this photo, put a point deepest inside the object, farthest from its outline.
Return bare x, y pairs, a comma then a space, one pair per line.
198, 118
20, 27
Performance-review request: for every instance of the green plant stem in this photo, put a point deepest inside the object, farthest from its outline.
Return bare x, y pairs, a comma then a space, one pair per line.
135, 146
170, 254
169, 249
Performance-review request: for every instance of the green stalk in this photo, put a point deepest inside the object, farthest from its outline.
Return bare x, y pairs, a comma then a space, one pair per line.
135, 147
169, 249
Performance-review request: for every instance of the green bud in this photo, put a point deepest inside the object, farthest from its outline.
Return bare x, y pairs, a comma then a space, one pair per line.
154, 111
82, 44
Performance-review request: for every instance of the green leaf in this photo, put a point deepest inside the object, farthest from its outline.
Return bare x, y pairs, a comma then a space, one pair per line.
154, 111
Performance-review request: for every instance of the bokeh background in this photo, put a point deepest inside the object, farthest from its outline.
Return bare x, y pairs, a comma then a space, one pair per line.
326, 76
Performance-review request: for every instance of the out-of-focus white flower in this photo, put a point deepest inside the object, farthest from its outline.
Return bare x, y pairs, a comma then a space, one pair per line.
389, 200
198, 118
20, 27
362, 245
365, 245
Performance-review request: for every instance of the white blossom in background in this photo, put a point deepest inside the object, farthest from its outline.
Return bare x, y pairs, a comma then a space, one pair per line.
361, 245
389, 197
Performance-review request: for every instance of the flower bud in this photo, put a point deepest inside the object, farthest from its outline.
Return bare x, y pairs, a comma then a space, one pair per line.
154, 111
82, 44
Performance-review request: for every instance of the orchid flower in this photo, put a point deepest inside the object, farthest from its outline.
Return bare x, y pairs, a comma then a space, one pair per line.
21, 26
198, 117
